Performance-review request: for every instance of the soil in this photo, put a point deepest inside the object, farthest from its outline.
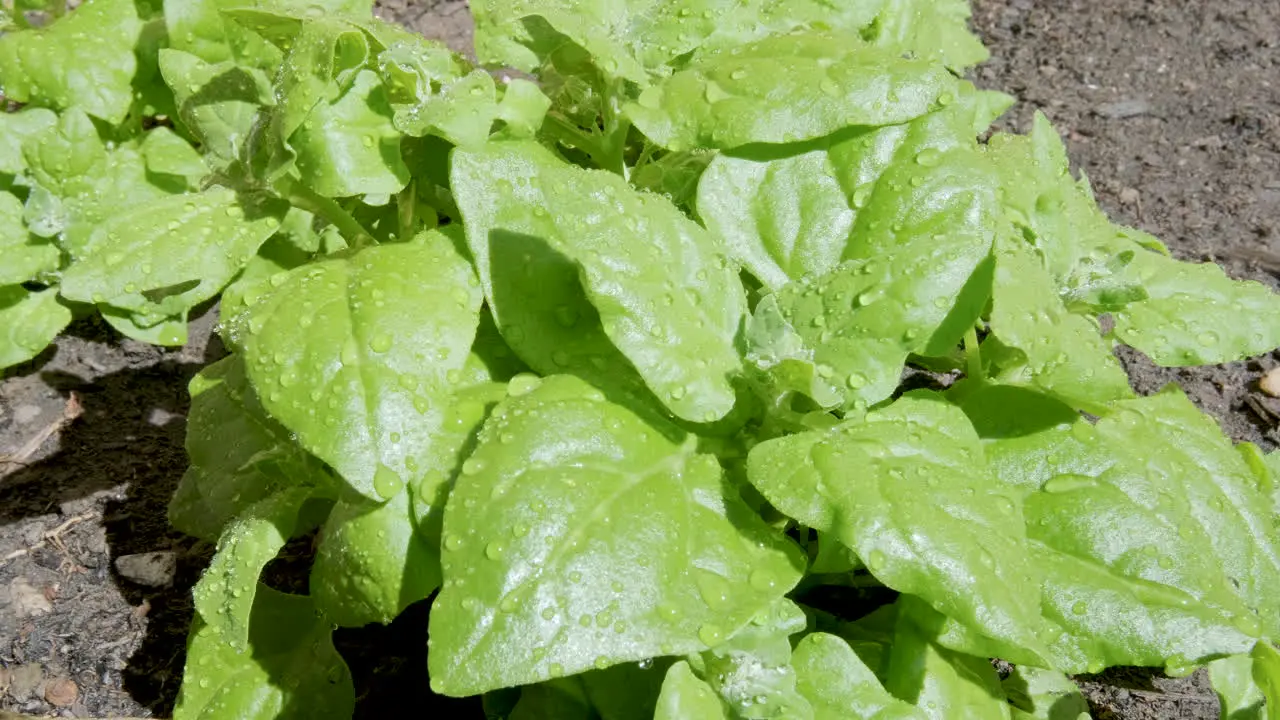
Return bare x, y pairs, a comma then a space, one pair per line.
1171, 108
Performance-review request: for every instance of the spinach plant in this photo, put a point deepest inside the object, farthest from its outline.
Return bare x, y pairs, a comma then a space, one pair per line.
720, 372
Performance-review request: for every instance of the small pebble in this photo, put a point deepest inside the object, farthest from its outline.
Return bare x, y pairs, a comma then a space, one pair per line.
1270, 383
61, 692
152, 569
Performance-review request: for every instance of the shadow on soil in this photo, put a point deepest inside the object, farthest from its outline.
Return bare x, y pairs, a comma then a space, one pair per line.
131, 432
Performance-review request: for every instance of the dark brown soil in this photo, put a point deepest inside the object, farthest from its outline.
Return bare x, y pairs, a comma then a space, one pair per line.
1172, 108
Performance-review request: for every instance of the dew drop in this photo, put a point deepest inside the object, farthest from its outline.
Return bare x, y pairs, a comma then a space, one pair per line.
387, 482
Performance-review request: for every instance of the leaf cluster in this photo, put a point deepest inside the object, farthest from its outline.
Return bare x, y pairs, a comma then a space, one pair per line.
725, 371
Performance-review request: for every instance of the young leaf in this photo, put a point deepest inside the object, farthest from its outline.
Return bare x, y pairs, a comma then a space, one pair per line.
942, 683
1038, 694
790, 215
24, 256
561, 531
1181, 321
217, 102
323, 61
1065, 354
15, 128
684, 696
29, 321
558, 699
371, 564
78, 183
433, 91
350, 147
666, 296
904, 488
362, 383
238, 454
934, 30
198, 28
838, 685
1239, 696
83, 60
730, 99
164, 153
1154, 539
292, 673
169, 255
752, 670
169, 331
224, 595
1266, 674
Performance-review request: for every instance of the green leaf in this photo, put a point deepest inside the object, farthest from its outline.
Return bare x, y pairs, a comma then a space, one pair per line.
934, 30
752, 670
666, 296
1085, 253
905, 489
791, 215
638, 38
77, 183
15, 128
622, 692
293, 671
276, 257
685, 697
838, 685
1037, 694
1266, 674
169, 255
1239, 696
225, 593
1065, 355
323, 61
1188, 317
1156, 544
29, 321
784, 364
473, 398
238, 454
217, 102
350, 147
165, 153
560, 699
902, 291
25, 256
83, 60
675, 176
942, 683
433, 91
362, 383
169, 331
730, 99
197, 28
371, 564
523, 108
586, 538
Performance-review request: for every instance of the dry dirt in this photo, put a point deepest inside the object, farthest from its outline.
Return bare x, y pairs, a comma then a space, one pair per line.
1171, 107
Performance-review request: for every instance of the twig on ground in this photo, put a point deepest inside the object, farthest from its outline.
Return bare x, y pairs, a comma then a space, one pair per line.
70, 412
53, 536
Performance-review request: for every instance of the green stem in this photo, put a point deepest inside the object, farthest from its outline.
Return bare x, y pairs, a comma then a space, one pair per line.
407, 204
571, 135
305, 198
973, 355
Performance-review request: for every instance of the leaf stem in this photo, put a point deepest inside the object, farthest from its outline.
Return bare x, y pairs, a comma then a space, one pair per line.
572, 136
307, 199
406, 205
973, 356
